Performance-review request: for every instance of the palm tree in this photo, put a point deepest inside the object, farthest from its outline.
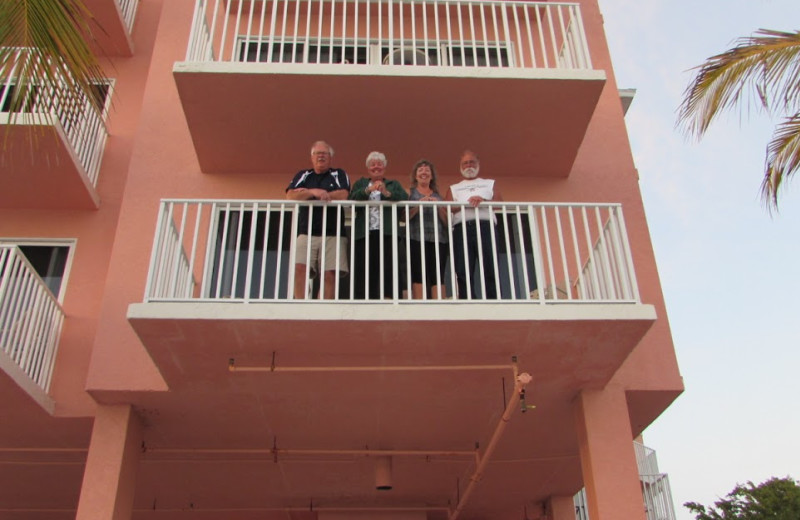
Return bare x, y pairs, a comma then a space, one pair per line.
46, 57
767, 65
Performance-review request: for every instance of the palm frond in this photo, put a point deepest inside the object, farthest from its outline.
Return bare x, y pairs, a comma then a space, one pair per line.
46, 59
783, 159
767, 63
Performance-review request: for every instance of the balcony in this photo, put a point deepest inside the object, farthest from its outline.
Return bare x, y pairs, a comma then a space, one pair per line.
53, 149
115, 18
221, 281
30, 326
409, 77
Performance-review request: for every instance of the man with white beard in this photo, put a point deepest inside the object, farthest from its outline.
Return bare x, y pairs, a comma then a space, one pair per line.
473, 228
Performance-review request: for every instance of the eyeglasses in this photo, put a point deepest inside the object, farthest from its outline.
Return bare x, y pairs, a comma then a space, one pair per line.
320, 153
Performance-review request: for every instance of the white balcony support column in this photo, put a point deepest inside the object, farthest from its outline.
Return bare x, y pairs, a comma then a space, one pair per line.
610, 472
109, 480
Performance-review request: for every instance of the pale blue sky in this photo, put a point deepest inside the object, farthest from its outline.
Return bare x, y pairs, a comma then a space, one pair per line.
726, 265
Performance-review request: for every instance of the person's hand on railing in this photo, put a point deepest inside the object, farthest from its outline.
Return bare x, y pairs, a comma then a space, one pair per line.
475, 200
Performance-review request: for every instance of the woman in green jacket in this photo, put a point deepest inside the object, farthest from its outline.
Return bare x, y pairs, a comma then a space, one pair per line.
374, 231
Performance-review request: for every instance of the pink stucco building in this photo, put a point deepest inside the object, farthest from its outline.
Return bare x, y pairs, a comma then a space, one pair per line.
155, 364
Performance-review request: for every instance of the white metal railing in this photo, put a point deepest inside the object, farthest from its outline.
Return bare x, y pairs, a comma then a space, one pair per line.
245, 250
655, 485
646, 459
30, 317
50, 104
656, 493
127, 9
657, 497
431, 33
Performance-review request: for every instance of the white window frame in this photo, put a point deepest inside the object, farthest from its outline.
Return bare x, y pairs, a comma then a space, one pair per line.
69, 243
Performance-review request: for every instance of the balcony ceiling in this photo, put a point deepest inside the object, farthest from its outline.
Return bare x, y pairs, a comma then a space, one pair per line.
565, 348
39, 452
39, 170
261, 119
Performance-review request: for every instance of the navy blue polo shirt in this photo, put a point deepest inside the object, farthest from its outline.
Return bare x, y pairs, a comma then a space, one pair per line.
332, 180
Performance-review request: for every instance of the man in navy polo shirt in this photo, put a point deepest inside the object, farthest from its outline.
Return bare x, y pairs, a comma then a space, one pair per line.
319, 239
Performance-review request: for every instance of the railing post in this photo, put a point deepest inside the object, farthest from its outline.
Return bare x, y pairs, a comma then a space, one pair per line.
148, 286
628, 256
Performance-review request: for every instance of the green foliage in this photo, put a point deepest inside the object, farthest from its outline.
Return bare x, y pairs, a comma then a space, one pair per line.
767, 66
46, 54
775, 499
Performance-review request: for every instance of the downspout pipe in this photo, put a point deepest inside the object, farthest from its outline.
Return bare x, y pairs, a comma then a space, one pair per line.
519, 385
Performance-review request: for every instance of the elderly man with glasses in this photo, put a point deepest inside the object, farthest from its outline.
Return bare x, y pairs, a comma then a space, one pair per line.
320, 246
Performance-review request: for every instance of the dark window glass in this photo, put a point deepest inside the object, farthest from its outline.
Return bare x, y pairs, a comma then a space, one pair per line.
281, 53
338, 54
519, 248
49, 263
27, 101
233, 247
480, 56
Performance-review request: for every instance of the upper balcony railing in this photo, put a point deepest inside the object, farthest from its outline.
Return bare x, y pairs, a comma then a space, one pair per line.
56, 105
244, 250
128, 10
444, 34
30, 317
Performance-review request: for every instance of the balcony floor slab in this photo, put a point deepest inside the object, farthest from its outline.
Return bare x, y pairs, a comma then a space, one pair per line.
578, 345
39, 170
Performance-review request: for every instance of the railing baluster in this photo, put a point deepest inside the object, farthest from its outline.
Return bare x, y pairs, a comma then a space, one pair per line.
272, 23
551, 282
540, 32
581, 280
484, 37
553, 42
509, 259
424, 7
251, 250
473, 43
352, 258
562, 249
265, 240
339, 227
284, 21
279, 256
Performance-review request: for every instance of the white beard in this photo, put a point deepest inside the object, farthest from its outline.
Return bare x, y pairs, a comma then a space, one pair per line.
470, 173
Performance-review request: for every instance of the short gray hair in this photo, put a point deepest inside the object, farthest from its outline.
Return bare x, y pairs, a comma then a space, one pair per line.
376, 156
329, 147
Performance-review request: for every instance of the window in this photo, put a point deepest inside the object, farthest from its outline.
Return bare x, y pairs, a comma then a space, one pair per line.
458, 54
233, 252
7, 92
235, 247
482, 55
519, 249
50, 260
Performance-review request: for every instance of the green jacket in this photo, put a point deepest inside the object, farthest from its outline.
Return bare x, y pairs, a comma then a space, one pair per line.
396, 192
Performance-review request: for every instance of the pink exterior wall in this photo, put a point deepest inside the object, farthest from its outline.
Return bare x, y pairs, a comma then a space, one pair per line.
93, 230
